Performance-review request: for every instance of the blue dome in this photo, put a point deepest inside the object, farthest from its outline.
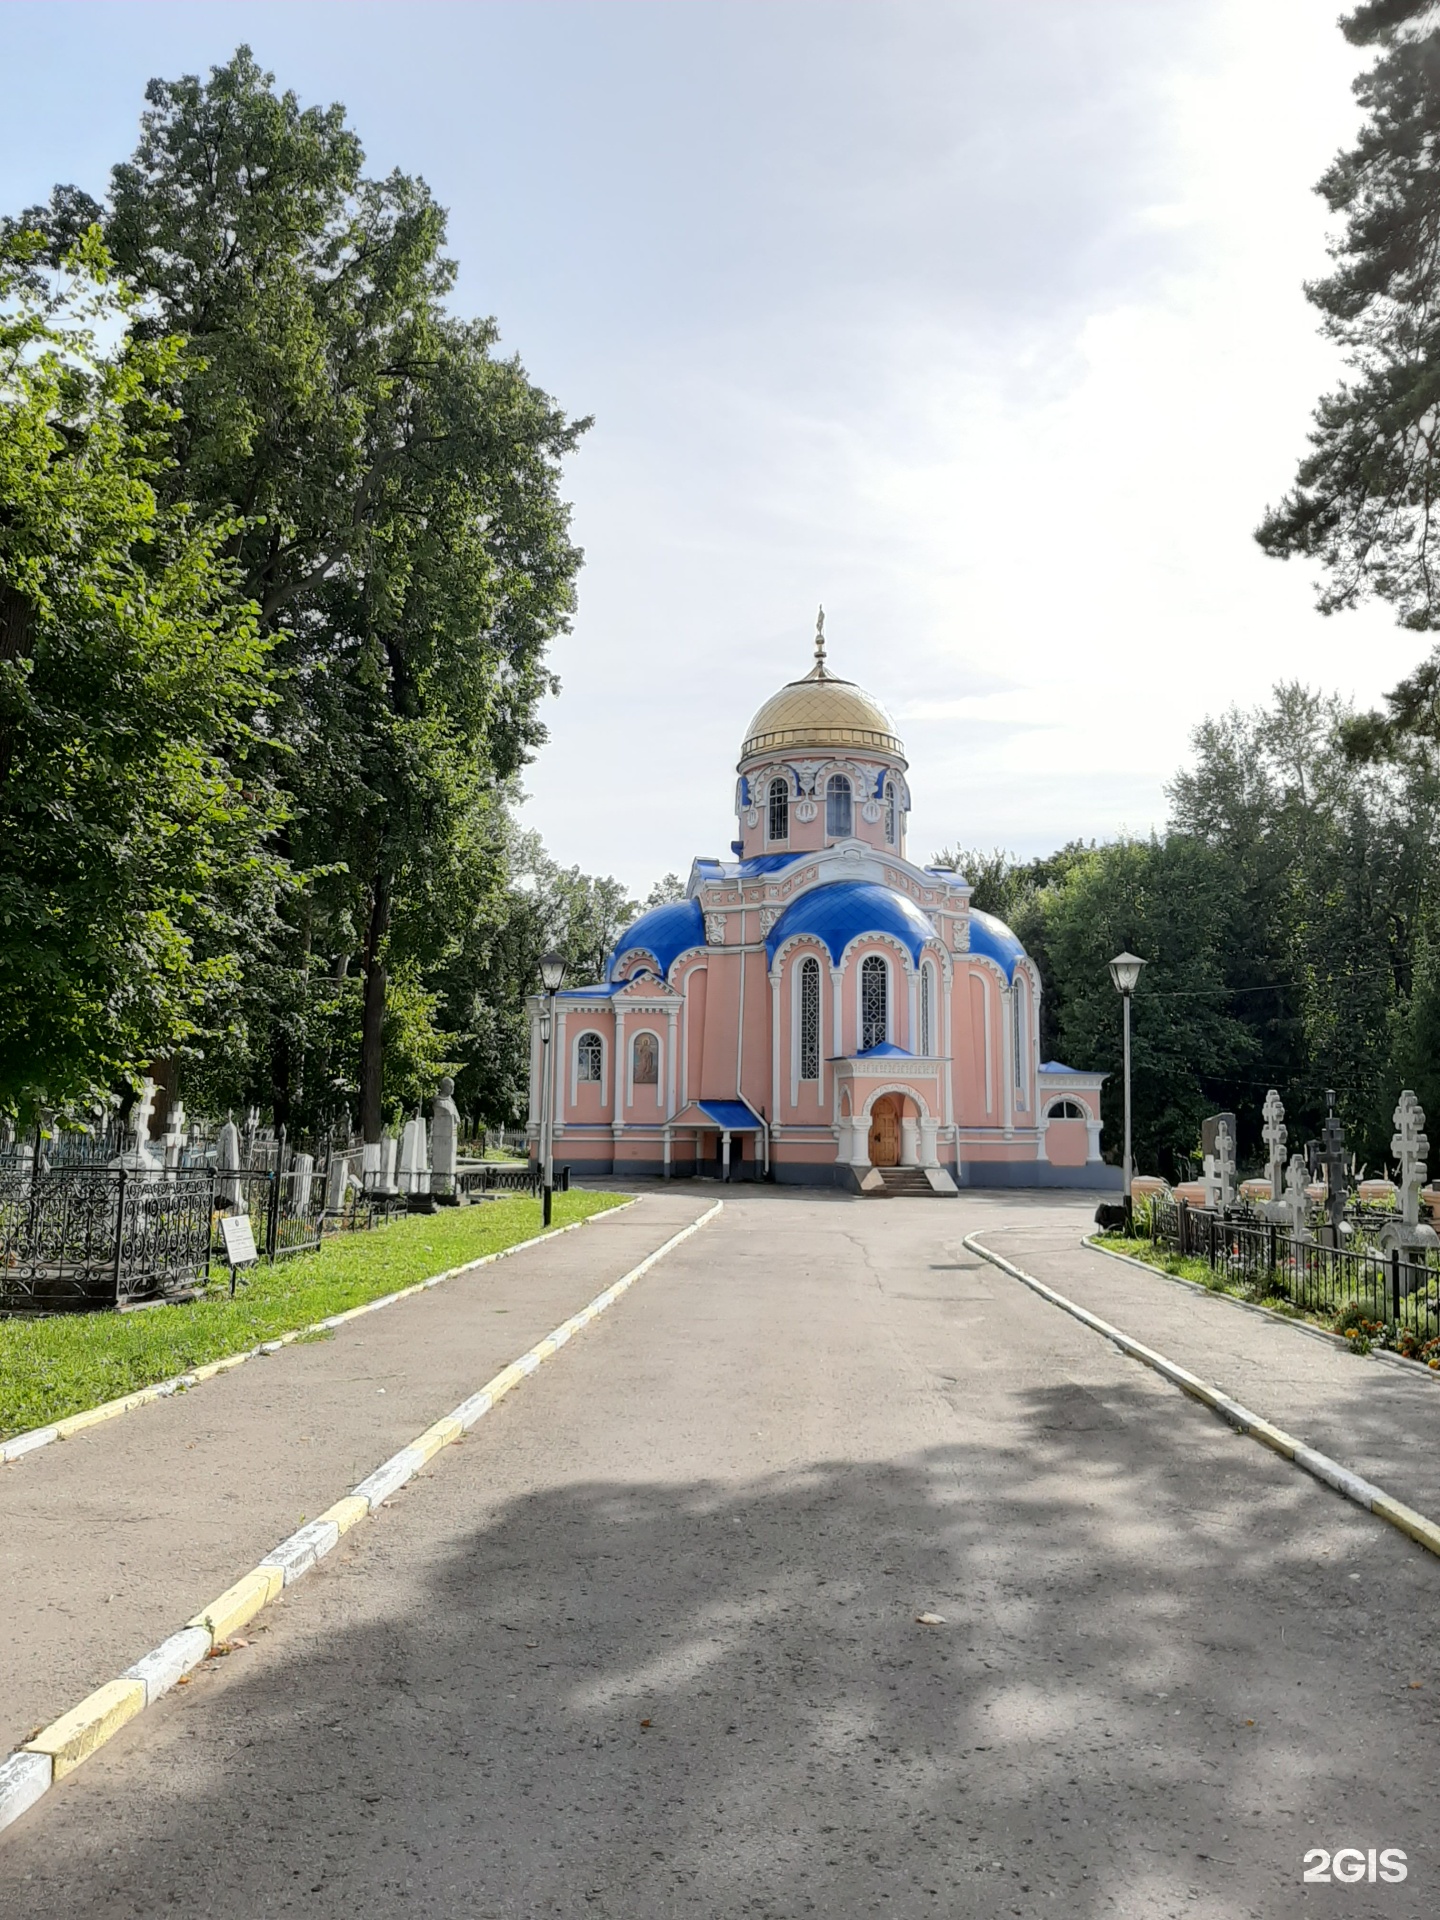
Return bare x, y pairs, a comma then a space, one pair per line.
664, 933
839, 912
995, 940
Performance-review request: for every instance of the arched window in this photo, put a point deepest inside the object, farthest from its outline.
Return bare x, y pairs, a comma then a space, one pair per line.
589, 1053
837, 807
1067, 1110
874, 1002
892, 815
927, 1016
809, 1019
645, 1060
779, 809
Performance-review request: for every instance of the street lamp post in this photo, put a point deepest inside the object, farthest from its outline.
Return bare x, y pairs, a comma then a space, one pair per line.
1125, 972
552, 972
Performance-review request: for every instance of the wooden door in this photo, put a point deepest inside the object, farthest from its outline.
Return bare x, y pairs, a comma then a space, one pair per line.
885, 1132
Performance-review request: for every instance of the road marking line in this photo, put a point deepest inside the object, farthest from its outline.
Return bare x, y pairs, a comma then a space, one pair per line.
58, 1749
1320, 1466
73, 1423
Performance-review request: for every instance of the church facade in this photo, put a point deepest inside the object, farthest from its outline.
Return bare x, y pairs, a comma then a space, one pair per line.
818, 1008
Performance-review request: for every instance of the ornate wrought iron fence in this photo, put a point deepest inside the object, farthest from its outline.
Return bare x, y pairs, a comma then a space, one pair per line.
73, 1239
1315, 1274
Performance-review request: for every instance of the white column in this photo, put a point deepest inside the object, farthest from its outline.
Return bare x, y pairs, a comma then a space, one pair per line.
839, 1013
1092, 1127
1007, 1063
947, 1045
909, 1141
559, 1080
620, 1075
928, 1156
775, 1051
913, 1042
671, 1027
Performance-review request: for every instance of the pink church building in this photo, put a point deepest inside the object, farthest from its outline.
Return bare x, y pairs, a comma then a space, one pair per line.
818, 1008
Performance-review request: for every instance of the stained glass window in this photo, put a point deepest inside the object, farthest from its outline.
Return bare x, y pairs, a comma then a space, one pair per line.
589, 1053
779, 809
874, 1002
925, 1016
892, 816
809, 1019
837, 807
646, 1057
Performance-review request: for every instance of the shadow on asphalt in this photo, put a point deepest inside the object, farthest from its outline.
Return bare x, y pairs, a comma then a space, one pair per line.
715, 1699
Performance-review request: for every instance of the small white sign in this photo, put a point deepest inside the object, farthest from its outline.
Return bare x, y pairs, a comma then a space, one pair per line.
239, 1238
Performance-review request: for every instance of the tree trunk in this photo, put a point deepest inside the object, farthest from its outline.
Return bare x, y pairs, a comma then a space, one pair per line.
372, 1024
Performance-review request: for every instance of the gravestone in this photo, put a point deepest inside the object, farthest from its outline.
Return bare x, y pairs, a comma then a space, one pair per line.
1219, 1190
338, 1185
1295, 1207
228, 1165
389, 1148
175, 1135
304, 1172
1332, 1140
444, 1140
1411, 1148
1275, 1133
414, 1159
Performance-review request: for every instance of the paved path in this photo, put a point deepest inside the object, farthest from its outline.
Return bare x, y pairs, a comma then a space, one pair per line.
112, 1540
646, 1645
1379, 1419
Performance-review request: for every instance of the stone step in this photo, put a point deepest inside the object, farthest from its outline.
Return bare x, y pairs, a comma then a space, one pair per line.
900, 1181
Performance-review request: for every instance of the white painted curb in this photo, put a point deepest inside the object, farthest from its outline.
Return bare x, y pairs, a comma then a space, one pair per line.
27, 1774
1425, 1532
23, 1443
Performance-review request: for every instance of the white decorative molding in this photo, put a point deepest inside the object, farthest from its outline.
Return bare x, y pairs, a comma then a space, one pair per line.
715, 929
768, 917
960, 935
805, 811
870, 811
752, 818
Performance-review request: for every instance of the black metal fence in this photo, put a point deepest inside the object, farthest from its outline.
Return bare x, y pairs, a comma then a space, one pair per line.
1319, 1274
75, 1239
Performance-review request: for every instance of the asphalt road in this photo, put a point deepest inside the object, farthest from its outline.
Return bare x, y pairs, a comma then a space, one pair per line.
646, 1643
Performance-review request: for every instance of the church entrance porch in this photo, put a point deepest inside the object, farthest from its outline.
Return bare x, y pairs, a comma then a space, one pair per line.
885, 1131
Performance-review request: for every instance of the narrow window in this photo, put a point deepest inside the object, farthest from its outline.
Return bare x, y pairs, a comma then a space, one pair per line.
646, 1060
892, 817
779, 809
809, 1019
837, 807
926, 1048
590, 1054
874, 1002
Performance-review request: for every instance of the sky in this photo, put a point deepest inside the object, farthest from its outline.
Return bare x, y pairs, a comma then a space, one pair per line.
979, 321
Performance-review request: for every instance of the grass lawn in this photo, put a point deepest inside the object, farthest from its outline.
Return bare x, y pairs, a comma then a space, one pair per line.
1204, 1275
54, 1367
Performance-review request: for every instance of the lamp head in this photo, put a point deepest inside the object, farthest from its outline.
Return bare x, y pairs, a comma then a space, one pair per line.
552, 971
1125, 971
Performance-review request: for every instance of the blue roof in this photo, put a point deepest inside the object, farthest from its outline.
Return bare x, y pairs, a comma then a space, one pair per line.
731, 1116
1054, 1066
838, 913
995, 940
591, 993
664, 933
887, 1050
747, 869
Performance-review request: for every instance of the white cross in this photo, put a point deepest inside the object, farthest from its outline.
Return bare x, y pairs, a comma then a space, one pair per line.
1297, 1201
1224, 1166
1411, 1149
1275, 1134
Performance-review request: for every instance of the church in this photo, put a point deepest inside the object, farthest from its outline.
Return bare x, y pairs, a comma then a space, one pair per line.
818, 1009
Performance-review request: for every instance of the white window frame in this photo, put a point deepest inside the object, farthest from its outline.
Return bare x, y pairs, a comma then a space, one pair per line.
849, 784
1020, 1036
929, 1008
798, 1078
889, 1032
777, 839
575, 1081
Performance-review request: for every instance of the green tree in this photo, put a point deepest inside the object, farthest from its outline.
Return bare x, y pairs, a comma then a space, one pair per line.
132, 680
1365, 492
399, 525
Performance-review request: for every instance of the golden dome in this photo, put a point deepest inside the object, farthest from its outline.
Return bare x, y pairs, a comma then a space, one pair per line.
823, 713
